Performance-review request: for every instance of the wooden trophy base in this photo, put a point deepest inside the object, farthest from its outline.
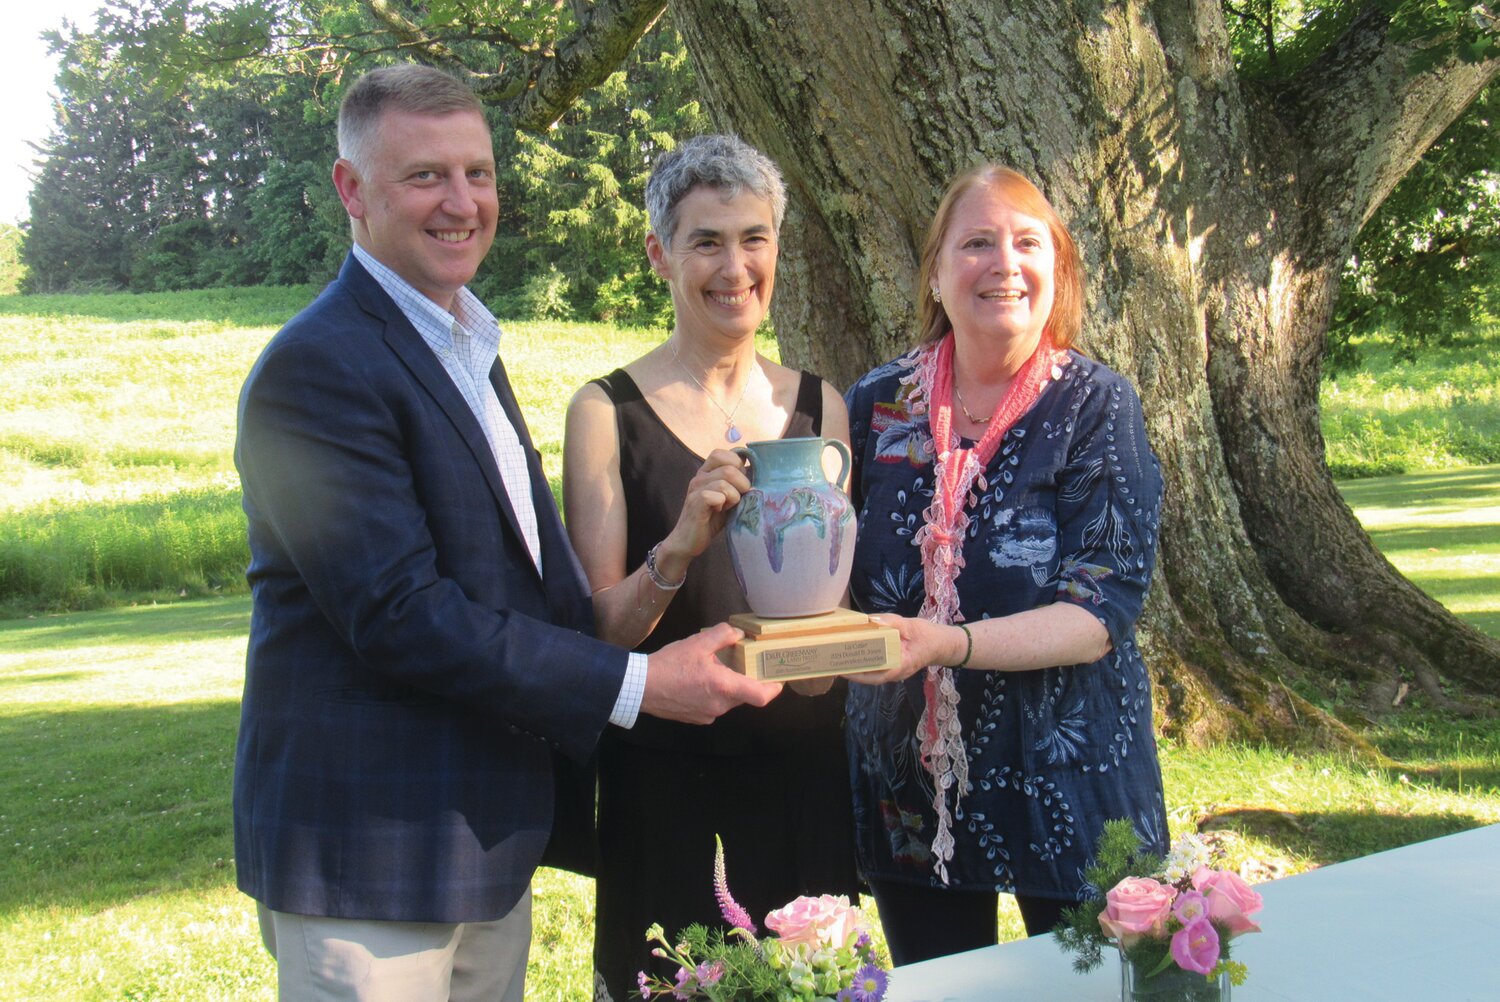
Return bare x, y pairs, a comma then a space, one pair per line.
841, 642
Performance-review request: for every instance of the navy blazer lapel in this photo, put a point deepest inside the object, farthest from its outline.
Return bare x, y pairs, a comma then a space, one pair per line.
408, 345
567, 587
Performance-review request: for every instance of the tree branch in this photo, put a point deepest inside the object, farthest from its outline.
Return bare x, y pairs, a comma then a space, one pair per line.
606, 33
1366, 111
502, 85
549, 75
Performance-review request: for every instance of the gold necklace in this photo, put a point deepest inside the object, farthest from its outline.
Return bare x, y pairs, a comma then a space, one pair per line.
731, 433
961, 406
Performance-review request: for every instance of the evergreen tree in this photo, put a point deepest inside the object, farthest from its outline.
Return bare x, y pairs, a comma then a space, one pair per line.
581, 223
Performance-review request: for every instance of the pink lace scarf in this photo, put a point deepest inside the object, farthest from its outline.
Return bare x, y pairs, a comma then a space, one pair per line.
957, 475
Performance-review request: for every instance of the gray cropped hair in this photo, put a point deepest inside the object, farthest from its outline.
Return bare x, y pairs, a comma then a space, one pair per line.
727, 163
409, 87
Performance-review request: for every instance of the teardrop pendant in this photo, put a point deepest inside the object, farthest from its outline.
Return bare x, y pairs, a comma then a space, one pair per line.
733, 434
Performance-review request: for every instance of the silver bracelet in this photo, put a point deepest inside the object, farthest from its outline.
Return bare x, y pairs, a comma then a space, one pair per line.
655, 575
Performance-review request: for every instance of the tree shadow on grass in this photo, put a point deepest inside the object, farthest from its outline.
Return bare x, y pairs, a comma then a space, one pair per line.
1416, 538
157, 624
1452, 488
106, 804
60, 676
1325, 837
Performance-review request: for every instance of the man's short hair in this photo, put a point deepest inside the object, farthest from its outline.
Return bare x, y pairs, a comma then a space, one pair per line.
409, 87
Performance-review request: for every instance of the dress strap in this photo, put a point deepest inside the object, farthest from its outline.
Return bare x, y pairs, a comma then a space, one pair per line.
810, 400
618, 387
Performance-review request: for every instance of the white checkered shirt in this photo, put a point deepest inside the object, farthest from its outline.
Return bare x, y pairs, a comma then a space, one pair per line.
467, 342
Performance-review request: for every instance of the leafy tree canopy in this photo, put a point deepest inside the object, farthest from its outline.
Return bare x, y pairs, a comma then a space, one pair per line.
1427, 263
194, 141
195, 135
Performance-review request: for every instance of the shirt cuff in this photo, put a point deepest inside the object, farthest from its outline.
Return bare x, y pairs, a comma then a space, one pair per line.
632, 691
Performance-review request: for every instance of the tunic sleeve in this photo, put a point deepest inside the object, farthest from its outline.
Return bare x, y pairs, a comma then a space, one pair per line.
857, 402
1108, 509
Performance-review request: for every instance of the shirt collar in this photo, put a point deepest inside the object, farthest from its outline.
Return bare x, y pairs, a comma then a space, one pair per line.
435, 324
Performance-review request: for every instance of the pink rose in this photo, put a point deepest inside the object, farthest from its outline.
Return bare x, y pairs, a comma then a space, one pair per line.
1231, 901
1136, 907
817, 922
1195, 947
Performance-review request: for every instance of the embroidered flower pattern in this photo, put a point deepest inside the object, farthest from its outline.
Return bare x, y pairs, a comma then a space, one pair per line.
1067, 510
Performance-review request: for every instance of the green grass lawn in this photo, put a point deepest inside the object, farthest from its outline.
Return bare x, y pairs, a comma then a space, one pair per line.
117, 876
117, 725
1437, 411
1442, 530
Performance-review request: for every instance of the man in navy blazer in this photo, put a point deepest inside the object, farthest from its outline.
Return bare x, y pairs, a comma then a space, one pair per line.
421, 638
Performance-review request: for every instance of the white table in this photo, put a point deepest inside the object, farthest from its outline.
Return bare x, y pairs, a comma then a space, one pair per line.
1408, 925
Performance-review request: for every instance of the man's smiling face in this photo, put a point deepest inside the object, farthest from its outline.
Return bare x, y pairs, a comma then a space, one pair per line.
425, 205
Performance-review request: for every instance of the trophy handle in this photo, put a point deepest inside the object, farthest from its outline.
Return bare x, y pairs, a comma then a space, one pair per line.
844, 461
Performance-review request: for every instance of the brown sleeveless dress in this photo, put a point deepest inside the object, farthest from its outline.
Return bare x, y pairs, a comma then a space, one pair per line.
773, 782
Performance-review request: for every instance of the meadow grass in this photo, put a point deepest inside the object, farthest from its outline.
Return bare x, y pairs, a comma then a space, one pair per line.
117, 733
116, 455
1442, 530
117, 725
1437, 411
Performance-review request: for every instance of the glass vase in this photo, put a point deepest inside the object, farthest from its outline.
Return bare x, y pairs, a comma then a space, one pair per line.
1171, 984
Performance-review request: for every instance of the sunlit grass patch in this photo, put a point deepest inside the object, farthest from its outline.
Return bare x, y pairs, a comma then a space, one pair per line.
1442, 530
1437, 411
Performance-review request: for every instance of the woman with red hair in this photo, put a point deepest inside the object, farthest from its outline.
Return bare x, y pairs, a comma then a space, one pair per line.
1009, 506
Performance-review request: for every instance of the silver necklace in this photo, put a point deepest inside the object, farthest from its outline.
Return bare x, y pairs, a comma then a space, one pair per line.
731, 433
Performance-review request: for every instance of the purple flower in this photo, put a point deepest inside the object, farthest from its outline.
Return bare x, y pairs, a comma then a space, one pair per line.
644, 983
869, 984
735, 915
1195, 947
709, 974
1189, 907
684, 983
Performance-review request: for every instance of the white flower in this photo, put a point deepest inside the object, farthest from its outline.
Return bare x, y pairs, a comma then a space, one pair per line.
1188, 853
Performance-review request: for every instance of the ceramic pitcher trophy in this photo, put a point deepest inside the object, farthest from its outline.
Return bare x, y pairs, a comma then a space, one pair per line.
791, 539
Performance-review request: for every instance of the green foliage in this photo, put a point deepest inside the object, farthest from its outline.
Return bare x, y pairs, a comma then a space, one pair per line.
579, 191
1427, 264
1443, 29
145, 187
194, 144
543, 296
12, 271
1118, 857
1439, 409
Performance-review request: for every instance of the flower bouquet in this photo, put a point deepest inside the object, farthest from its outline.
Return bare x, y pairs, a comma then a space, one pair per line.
1172, 927
821, 950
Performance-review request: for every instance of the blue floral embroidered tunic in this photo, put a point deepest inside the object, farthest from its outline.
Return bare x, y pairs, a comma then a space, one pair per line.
1069, 513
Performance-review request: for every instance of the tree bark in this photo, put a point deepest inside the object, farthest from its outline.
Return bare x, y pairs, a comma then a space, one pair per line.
1213, 218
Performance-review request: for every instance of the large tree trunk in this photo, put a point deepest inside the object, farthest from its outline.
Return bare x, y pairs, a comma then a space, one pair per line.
1213, 222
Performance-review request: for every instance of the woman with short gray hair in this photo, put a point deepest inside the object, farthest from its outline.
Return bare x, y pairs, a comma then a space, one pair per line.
649, 480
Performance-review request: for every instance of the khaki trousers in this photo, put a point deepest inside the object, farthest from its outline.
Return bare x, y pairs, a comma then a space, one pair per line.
322, 959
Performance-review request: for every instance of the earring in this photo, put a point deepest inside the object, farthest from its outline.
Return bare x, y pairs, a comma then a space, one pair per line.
937, 297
